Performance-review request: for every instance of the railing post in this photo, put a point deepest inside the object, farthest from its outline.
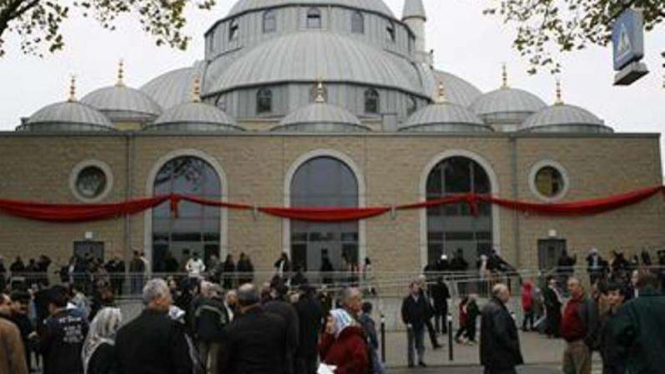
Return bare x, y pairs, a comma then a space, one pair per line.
383, 338
451, 348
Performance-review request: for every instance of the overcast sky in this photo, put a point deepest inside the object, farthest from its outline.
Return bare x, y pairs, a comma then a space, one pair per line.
466, 43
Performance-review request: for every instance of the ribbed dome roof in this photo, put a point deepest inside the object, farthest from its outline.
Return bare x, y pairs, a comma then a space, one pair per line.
495, 105
321, 117
565, 118
67, 116
377, 6
121, 103
174, 87
309, 56
444, 117
458, 91
194, 116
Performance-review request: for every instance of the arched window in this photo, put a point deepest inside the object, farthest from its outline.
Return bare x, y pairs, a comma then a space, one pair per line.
372, 101
269, 21
324, 182
313, 18
452, 229
390, 32
357, 23
264, 101
196, 229
411, 106
233, 29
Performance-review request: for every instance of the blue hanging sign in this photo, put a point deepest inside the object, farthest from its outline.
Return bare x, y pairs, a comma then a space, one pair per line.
628, 38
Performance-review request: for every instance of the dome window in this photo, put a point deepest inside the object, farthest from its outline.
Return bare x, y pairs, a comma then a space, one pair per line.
411, 106
269, 22
264, 101
372, 101
390, 32
313, 18
357, 23
234, 28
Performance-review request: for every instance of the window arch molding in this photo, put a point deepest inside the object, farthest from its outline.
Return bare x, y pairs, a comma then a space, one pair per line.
314, 18
150, 191
362, 201
422, 195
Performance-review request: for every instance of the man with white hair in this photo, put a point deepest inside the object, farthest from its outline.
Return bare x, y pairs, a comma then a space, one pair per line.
499, 342
153, 343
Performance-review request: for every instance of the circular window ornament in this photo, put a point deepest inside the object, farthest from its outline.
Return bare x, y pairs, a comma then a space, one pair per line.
549, 181
91, 181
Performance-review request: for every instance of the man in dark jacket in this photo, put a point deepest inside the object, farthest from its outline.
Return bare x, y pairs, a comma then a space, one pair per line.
415, 312
440, 295
640, 328
612, 299
209, 318
255, 342
20, 307
310, 316
278, 306
499, 342
153, 343
61, 339
553, 304
579, 327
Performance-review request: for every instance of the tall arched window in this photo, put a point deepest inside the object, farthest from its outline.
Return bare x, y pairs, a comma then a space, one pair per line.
313, 18
233, 29
357, 23
196, 229
452, 229
269, 21
264, 101
324, 182
372, 101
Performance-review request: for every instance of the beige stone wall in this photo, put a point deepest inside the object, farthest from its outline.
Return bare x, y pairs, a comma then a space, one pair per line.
38, 168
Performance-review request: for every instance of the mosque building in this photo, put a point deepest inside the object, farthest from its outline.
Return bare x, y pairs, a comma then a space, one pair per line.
325, 103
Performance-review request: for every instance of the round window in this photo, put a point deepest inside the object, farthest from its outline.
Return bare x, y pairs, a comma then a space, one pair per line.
549, 182
91, 182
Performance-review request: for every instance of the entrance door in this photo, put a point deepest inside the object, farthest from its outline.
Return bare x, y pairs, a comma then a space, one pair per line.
549, 252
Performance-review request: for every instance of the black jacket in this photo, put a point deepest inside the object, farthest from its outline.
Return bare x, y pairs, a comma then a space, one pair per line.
61, 342
310, 316
153, 344
288, 313
254, 343
209, 318
440, 295
499, 341
415, 313
102, 360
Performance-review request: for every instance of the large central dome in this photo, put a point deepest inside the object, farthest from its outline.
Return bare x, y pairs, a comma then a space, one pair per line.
376, 6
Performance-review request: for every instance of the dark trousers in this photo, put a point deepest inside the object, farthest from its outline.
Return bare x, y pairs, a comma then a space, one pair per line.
440, 320
463, 330
500, 371
432, 333
306, 365
415, 341
553, 323
528, 320
471, 331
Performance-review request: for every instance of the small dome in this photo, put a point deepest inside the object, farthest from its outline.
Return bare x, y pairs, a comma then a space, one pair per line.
458, 90
68, 116
565, 118
444, 117
507, 106
321, 117
376, 6
194, 116
124, 104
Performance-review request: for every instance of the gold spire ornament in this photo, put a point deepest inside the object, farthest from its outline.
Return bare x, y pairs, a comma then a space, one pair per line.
320, 93
559, 95
196, 94
504, 75
72, 89
441, 97
121, 74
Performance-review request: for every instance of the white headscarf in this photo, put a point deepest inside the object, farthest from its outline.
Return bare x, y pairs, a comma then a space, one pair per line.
342, 320
102, 331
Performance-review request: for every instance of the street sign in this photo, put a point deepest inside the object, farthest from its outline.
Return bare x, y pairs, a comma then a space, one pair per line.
628, 38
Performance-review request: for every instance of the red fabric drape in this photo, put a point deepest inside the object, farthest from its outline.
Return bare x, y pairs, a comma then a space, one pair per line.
95, 212
77, 213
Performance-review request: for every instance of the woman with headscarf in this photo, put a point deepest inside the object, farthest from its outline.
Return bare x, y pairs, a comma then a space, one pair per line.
344, 345
99, 347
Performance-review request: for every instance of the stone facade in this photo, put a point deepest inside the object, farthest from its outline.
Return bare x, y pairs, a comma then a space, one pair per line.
391, 166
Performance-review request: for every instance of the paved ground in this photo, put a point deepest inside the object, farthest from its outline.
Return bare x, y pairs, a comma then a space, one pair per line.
475, 370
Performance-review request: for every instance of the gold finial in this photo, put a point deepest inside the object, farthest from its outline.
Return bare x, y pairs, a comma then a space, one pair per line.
196, 94
121, 73
72, 89
441, 98
559, 96
504, 76
320, 92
